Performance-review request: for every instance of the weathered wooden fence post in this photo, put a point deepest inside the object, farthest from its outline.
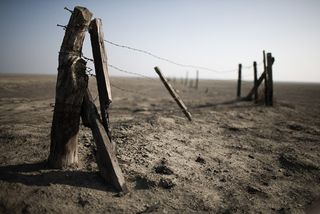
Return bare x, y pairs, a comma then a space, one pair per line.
174, 94
255, 81
239, 82
266, 78
251, 93
70, 89
270, 61
197, 80
101, 68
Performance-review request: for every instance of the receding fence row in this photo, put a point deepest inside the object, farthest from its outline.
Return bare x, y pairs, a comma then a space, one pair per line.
74, 101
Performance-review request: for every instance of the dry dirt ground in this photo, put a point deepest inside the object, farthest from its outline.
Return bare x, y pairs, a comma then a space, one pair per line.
235, 157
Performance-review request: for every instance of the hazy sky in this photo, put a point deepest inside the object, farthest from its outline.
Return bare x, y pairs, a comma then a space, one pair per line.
213, 33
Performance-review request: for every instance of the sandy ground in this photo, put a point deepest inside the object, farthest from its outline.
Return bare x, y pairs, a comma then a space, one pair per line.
235, 157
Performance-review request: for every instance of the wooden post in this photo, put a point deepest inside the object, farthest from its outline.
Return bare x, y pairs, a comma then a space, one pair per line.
255, 79
261, 78
71, 86
266, 78
106, 158
197, 80
101, 67
270, 61
174, 94
239, 82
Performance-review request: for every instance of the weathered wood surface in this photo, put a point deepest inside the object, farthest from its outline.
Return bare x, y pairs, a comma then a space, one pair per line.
270, 61
106, 158
239, 81
101, 68
70, 88
255, 81
266, 79
174, 94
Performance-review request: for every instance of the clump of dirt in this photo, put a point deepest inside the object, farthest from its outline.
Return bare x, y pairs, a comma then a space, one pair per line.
166, 183
162, 168
143, 182
200, 160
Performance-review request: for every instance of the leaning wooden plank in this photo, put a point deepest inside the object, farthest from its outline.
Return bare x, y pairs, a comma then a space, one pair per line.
174, 94
106, 158
261, 78
101, 68
71, 85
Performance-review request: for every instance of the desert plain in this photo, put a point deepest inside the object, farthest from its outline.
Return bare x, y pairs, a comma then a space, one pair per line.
234, 157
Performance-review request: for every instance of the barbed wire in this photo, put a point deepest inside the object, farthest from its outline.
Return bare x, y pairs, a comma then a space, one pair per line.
244, 67
71, 11
168, 60
129, 91
89, 72
130, 72
86, 58
117, 68
64, 27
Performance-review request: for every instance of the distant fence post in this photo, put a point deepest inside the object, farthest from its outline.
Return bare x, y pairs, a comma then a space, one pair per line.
239, 82
197, 80
267, 76
174, 94
270, 61
265, 79
255, 79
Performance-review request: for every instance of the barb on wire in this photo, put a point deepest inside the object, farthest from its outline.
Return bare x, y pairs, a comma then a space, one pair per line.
89, 69
248, 67
129, 72
71, 11
168, 60
63, 26
86, 58
89, 72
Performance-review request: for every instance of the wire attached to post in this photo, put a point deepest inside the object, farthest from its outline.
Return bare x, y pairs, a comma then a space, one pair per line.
63, 26
71, 11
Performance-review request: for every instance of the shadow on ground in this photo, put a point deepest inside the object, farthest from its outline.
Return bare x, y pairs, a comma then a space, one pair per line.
38, 174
